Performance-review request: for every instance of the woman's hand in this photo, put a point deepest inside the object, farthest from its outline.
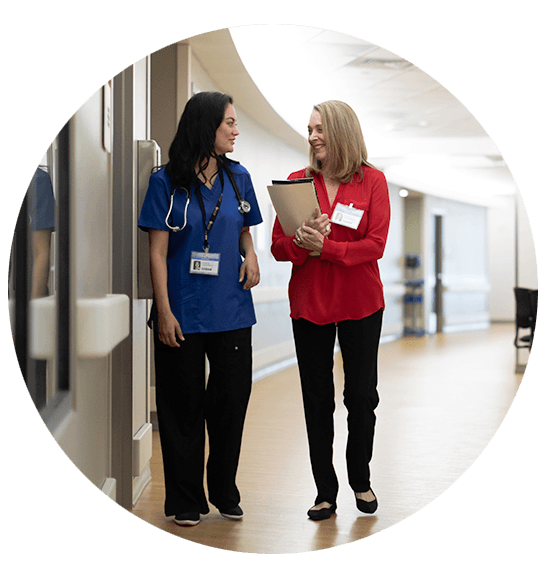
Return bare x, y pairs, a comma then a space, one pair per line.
319, 222
249, 267
309, 239
169, 329
251, 270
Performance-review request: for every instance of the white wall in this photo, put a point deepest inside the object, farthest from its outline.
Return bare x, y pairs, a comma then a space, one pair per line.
139, 306
501, 241
391, 268
527, 265
508, 230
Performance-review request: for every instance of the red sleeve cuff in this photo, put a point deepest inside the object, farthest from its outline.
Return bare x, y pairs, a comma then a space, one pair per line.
333, 251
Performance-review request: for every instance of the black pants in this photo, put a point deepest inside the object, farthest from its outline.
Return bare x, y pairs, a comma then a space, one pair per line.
184, 403
359, 341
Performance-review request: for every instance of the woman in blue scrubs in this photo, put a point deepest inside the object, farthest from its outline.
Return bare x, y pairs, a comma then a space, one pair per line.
198, 211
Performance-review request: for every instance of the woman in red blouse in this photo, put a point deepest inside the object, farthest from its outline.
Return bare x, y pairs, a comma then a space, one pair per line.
335, 287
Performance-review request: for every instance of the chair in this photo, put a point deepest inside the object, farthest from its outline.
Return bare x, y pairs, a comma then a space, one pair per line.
526, 313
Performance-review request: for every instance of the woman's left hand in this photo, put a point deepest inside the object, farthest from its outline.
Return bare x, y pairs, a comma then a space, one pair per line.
309, 239
251, 270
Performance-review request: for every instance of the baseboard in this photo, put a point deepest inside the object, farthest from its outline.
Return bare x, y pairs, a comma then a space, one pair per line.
140, 483
143, 448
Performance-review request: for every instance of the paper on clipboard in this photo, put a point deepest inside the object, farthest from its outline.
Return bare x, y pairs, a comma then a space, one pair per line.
294, 201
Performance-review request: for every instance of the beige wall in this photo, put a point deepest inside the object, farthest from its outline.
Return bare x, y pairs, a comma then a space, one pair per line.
164, 118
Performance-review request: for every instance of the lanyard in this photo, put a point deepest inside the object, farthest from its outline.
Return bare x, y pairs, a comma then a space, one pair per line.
208, 227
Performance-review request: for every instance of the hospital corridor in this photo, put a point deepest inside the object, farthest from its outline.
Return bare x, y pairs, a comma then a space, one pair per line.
458, 273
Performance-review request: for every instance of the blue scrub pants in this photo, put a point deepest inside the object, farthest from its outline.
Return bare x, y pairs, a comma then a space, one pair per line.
359, 342
185, 403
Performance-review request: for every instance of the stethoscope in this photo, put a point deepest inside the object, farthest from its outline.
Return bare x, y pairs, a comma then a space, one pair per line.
244, 206
176, 228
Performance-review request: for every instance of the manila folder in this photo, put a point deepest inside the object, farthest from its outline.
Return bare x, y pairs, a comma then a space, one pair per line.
294, 201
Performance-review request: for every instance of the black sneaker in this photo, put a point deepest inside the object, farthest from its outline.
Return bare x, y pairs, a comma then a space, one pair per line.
188, 519
235, 514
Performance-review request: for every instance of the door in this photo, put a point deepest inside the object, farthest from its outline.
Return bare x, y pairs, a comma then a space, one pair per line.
59, 273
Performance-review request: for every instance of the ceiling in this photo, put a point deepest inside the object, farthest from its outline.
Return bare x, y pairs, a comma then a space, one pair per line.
415, 130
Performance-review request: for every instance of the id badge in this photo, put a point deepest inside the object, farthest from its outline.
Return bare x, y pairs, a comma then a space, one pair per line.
347, 216
204, 263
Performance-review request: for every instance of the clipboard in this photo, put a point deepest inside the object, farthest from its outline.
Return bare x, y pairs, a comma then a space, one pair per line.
294, 201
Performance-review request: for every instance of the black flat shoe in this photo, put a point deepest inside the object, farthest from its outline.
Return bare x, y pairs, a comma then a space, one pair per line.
235, 514
320, 514
367, 506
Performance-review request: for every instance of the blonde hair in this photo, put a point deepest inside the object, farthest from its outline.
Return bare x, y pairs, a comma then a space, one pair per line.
345, 146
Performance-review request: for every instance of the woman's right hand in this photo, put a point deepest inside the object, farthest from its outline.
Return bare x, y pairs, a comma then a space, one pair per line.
169, 329
319, 222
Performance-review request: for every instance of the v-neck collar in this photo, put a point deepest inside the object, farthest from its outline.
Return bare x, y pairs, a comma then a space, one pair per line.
208, 191
213, 183
324, 199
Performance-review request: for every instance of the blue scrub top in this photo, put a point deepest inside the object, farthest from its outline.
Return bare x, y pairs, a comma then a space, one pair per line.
201, 303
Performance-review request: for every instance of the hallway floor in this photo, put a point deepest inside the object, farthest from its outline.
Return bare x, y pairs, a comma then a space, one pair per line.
442, 399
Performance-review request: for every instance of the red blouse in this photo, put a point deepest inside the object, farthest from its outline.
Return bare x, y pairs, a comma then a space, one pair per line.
344, 282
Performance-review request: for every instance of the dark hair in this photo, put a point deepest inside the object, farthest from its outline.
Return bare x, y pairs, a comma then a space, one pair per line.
195, 137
